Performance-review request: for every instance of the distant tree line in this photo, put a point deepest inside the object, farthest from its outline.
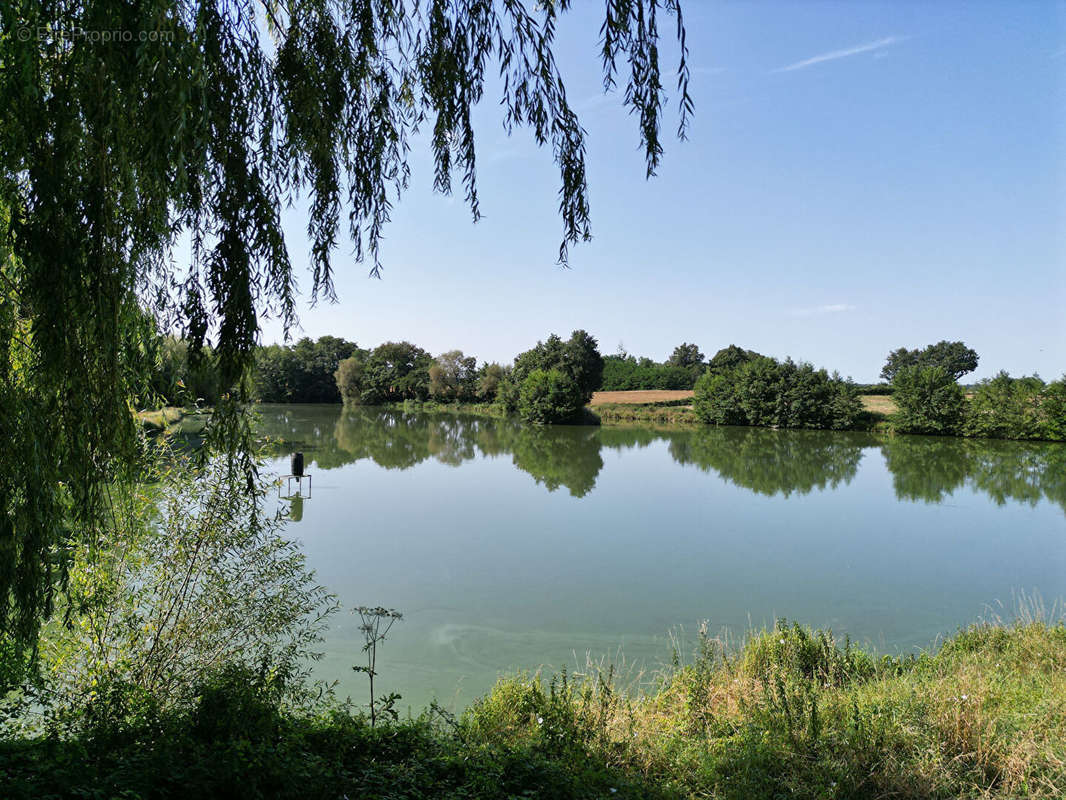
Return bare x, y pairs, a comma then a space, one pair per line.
625, 372
929, 399
554, 381
745, 388
302, 372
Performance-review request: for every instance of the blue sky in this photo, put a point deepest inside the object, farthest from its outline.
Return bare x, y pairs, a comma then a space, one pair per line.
858, 177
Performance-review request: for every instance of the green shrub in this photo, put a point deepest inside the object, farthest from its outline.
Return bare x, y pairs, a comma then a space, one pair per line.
1006, 408
715, 400
192, 574
550, 396
627, 373
928, 400
760, 386
768, 393
349, 377
1053, 405
507, 392
799, 652
578, 358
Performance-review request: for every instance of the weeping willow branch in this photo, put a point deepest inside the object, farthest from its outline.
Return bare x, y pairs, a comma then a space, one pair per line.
185, 122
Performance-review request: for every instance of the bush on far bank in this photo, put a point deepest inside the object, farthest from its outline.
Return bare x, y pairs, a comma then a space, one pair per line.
548, 396
930, 401
1016, 408
782, 394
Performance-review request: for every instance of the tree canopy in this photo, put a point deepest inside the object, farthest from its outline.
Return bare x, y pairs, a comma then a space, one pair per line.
686, 355
303, 373
199, 123
729, 357
556, 378
928, 400
955, 358
453, 376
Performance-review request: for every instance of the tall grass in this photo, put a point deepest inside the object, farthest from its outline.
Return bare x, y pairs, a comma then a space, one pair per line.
672, 414
797, 713
788, 713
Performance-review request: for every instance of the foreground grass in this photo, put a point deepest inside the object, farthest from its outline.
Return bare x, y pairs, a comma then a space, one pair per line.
793, 714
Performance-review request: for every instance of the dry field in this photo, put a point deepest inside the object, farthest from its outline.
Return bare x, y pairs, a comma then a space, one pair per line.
879, 403
641, 396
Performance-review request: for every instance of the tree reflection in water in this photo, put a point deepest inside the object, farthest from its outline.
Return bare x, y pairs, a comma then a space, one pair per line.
774, 462
767, 462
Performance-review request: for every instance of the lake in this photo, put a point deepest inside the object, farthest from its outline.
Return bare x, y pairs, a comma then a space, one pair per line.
511, 547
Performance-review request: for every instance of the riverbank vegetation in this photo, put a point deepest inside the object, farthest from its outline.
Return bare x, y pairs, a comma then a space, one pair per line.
793, 712
654, 413
765, 392
625, 372
930, 401
735, 386
552, 382
175, 664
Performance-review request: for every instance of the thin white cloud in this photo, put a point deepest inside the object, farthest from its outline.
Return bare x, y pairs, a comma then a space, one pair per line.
830, 308
833, 55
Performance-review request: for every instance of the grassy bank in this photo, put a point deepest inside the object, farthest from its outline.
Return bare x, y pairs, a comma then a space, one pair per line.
653, 407
174, 419
675, 408
657, 413
160, 419
478, 409
664, 412
791, 714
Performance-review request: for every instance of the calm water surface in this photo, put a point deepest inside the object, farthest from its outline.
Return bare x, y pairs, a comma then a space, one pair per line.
510, 547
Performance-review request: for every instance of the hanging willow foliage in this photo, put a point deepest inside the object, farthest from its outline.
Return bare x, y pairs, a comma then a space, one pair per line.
127, 126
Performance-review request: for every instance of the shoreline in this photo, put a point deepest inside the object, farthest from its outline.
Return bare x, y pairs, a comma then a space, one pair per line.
794, 712
670, 414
